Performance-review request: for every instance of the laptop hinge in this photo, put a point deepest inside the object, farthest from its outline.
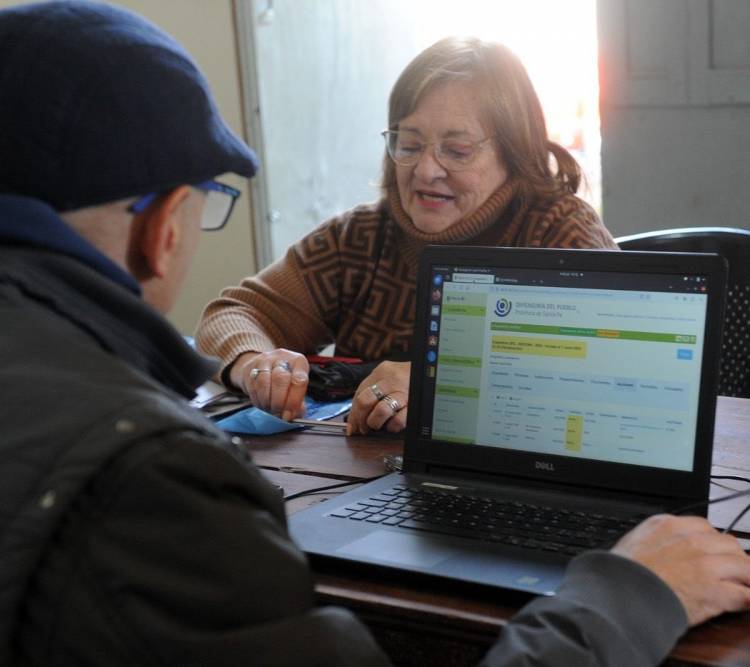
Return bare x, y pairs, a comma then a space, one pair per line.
445, 475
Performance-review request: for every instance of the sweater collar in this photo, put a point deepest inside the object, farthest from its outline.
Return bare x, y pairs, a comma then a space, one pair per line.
469, 227
26, 221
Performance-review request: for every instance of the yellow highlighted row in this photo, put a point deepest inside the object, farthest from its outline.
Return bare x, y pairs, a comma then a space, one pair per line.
574, 433
546, 347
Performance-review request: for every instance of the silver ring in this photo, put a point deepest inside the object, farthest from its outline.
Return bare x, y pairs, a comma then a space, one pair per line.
283, 364
257, 371
392, 403
377, 391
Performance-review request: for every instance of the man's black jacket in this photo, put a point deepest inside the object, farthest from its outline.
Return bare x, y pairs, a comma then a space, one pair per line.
132, 532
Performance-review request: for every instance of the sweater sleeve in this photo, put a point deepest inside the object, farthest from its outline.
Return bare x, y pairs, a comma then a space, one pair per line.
276, 307
608, 612
569, 223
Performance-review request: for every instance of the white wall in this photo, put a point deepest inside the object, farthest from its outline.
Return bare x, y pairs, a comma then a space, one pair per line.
665, 168
675, 113
206, 29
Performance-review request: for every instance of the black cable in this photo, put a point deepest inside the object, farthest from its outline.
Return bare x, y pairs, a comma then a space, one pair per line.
704, 503
739, 516
318, 489
325, 493
736, 519
736, 478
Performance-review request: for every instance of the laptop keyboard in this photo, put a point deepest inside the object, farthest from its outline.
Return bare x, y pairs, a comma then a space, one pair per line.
520, 524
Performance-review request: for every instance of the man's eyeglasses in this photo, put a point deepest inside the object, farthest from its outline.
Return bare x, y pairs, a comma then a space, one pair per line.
217, 209
405, 148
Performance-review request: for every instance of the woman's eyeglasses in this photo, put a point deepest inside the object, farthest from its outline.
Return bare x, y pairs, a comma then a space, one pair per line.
406, 149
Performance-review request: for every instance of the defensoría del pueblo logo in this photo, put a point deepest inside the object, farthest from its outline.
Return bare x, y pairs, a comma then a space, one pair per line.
502, 307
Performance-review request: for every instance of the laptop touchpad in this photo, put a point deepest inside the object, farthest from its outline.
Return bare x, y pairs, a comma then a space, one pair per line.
400, 548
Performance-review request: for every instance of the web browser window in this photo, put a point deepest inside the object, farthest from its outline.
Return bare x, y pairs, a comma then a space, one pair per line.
594, 365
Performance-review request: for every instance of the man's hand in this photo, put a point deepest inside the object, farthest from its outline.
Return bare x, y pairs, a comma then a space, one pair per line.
380, 400
275, 381
708, 570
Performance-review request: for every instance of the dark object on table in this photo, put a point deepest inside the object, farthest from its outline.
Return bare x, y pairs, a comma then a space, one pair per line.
337, 380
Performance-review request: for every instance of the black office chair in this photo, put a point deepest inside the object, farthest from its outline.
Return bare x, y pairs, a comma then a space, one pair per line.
734, 245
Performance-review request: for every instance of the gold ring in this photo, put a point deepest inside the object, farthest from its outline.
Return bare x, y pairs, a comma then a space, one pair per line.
392, 403
257, 371
377, 391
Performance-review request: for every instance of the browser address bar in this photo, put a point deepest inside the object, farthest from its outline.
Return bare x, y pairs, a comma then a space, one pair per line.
473, 278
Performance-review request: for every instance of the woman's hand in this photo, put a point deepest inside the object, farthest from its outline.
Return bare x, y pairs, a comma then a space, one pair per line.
381, 399
275, 381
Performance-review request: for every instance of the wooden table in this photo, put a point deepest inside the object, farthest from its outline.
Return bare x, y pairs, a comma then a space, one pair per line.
424, 622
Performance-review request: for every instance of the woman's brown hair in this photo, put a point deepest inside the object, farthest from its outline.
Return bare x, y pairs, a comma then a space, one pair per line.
512, 109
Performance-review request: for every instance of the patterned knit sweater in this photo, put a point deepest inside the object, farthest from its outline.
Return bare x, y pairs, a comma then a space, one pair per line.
351, 281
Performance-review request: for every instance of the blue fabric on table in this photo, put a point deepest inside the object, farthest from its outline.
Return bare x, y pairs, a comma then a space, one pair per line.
253, 421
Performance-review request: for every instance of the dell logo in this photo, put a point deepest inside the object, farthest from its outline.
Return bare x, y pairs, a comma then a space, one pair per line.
544, 465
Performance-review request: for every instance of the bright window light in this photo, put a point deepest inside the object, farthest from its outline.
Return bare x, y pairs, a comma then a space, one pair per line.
557, 43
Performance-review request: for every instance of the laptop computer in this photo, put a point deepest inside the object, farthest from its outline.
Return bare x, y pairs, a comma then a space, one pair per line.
548, 388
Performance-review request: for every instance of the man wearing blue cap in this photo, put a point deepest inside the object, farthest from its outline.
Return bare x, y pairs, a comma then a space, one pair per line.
133, 532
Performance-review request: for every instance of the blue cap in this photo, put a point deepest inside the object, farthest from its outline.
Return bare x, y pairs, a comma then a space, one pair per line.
97, 104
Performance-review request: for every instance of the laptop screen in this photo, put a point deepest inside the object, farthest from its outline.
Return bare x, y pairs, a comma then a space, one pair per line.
597, 365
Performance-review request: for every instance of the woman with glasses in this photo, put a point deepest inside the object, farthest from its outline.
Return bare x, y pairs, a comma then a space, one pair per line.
467, 161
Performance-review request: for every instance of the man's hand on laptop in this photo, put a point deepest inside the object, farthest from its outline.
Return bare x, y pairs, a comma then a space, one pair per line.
380, 400
708, 571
